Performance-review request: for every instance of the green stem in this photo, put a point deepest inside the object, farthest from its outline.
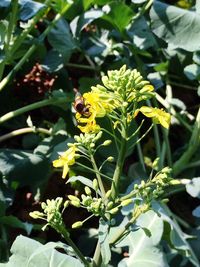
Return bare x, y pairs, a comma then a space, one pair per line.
33, 106
194, 143
118, 169
12, 23
61, 229
101, 186
141, 158
4, 82
11, 27
24, 131
78, 66
17, 67
92, 170
168, 148
25, 33
97, 255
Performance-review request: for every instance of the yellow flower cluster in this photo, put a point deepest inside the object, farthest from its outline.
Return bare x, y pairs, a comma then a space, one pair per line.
98, 104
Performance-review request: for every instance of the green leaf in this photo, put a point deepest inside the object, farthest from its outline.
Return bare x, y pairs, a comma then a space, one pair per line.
29, 8
141, 34
176, 26
177, 239
112, 15
61, 39
150, 256
104, 241
28, 252
192, 71
5, 3
142, 242
24, 167
53, 61
16, 223
79, 23
193, 187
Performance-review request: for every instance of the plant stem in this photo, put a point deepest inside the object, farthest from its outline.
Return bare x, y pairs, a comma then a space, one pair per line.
101, 186
78, 66
24, 131
193, 145
39, 104
4, 82
118, 169
141, 158
97, 255
61, 229
168, 149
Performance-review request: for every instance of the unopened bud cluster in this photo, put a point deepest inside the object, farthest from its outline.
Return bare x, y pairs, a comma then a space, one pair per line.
51, 212
96, 205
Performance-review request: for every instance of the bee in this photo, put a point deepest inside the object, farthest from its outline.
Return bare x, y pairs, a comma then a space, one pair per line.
79, 104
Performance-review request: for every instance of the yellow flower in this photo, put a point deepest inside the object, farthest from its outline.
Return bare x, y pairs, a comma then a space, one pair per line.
98, 107
158, 116
66, 159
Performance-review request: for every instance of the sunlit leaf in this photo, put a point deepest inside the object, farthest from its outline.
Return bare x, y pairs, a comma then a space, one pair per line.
176, 26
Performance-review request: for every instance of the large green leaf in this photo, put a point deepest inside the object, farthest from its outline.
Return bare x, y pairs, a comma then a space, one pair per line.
22, 166
142, 242
177, 26
113, 11
30, 253
61, 39
29, 8
175, 237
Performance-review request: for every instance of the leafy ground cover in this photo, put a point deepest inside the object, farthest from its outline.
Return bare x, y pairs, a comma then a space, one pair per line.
106, 95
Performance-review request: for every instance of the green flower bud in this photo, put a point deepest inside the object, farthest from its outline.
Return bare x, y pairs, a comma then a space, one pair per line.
43, 205
77, 224
88, 191
95, 184
108, 193
87, 201
71, 197
92, 145
66, 204
110, 205
75, 203
110, 159
107, 143
114, 210
36, 214
126, 202
98, 136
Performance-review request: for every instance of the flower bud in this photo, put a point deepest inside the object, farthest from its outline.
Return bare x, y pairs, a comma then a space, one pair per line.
110, 205
107, 143
71, 197
77, 224
95, 184
114, 210
66, 204
110, 159
36, 214
75, 203
108, 193
92, 145
88, 191
126, 202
